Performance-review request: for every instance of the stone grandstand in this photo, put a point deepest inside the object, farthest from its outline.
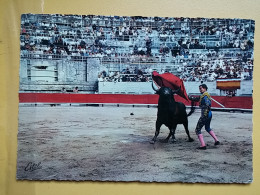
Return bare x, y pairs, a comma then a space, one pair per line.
83, 50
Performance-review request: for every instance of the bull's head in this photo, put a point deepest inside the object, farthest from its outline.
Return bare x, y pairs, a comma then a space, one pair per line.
165, 90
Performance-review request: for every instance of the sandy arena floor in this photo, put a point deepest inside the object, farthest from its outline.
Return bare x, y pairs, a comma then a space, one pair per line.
109, 144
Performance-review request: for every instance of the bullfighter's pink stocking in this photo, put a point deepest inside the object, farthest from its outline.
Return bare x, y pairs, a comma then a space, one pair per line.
213, 135
202, 143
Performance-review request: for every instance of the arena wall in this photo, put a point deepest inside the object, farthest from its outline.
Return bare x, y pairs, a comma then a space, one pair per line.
52, 75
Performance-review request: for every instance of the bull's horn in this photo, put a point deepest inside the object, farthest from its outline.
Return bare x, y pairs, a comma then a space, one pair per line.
154, 87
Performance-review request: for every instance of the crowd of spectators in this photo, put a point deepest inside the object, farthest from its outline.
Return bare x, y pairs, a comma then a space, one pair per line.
202, 48
199, 70
126, 75
216, 69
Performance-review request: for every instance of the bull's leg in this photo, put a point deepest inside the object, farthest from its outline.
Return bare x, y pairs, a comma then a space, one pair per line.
167, 138
187, 131
157, 131
172, 132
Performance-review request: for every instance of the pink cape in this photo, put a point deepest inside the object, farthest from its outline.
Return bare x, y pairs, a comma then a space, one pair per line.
171, 81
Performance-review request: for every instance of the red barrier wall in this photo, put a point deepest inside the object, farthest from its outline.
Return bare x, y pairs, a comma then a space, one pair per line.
87, 98
228, 102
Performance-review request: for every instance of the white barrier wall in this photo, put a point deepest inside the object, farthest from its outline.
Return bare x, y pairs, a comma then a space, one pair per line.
146, 88
246, 88
125, 87
193, 87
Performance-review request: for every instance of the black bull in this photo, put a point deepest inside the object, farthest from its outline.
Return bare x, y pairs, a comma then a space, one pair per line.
170, 113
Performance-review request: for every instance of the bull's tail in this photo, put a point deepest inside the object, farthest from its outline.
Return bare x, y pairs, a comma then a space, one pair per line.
192, 109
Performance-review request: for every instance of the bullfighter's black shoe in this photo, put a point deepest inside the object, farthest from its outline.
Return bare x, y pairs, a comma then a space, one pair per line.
202, 148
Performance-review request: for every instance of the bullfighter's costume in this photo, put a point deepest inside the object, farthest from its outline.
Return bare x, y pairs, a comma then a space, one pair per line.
205, 119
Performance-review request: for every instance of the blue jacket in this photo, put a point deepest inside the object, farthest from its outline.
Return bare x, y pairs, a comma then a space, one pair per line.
205, 105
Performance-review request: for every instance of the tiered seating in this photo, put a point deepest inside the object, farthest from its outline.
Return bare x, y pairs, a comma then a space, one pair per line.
194, 48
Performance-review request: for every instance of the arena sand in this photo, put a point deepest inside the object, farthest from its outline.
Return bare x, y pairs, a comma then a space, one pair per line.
109, 144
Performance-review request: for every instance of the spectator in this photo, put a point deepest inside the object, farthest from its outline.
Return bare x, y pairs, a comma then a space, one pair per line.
76, 90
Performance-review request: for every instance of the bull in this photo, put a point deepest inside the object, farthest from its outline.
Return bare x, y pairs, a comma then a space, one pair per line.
170, 113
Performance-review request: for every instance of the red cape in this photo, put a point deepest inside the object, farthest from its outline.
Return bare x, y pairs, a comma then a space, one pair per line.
171, 81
